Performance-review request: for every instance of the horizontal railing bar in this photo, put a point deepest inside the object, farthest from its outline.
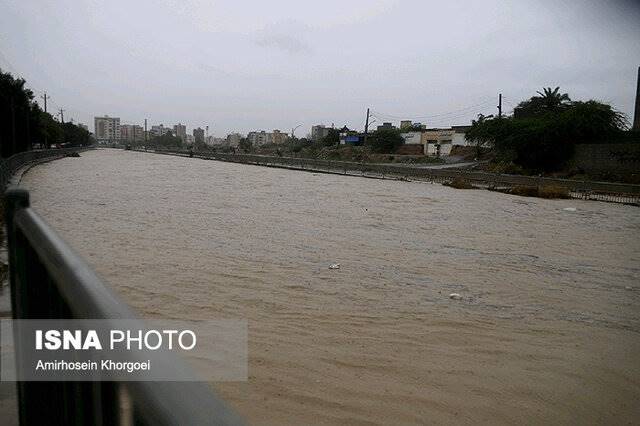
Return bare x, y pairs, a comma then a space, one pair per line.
169, 403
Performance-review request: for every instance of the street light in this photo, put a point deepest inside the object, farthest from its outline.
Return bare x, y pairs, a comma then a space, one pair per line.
293, 131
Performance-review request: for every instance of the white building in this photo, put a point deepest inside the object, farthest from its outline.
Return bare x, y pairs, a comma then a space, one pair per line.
107, 129
413, 138
459, 135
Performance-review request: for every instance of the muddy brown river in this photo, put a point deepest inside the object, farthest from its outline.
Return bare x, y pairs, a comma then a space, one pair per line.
547, 331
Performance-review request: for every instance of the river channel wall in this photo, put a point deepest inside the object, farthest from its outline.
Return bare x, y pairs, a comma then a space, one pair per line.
602, 191
10, 166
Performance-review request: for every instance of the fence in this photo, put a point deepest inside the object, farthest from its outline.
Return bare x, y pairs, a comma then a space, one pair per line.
49, 281
588, 190
9, 166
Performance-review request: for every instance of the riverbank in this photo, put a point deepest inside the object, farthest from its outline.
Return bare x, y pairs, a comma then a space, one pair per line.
584, 190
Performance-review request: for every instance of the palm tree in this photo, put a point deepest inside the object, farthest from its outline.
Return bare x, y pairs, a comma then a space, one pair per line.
552, 99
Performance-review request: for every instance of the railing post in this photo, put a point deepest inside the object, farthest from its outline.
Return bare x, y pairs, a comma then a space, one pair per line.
15, 198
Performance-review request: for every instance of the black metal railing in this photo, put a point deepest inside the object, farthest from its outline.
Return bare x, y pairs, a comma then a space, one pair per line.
49, 281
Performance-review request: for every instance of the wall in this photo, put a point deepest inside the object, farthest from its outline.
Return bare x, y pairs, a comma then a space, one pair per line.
610, 158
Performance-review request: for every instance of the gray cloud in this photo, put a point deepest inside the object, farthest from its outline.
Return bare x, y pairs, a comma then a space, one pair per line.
264, 65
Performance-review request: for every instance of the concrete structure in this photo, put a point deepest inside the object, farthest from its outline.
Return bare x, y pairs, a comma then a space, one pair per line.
131, 133
413, 138
258, 138
278, 137
233, 139
318, 132
459, 135
159, 130
198, 135
617, 158
107, 129
405, 124
438, 142
180, 130
385, 126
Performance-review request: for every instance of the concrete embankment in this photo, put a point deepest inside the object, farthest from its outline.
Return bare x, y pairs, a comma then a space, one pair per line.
587, 190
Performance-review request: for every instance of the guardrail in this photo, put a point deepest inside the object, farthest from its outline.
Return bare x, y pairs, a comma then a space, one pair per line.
601, 191
48, 280
9, 166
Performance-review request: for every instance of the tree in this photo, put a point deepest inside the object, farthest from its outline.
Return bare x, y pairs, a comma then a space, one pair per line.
245, 145
386, 141
545, 140
548, 101
19, 116
75, 135
482, 132
332, 138
167, 141
553, 99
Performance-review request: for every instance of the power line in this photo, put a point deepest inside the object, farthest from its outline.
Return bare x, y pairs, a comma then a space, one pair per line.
466, 109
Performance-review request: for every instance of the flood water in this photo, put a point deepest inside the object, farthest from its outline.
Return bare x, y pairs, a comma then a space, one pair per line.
547, 331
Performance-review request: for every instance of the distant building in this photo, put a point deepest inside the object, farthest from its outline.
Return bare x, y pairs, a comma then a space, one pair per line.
318, 132
350, 137
459, 135
405, 124
278, 137
258, 138
233, 139
413, 137
198, 135
131, 133
438, 141
107, 129
180, 130
385, 126
159, 130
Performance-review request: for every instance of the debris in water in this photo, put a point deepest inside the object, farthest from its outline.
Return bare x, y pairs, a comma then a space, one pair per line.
334, 266
455, 296
569, 209
628, 287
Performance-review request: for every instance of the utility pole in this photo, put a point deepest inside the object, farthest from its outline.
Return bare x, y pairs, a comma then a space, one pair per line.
61, 115
45, 97
145, 130
500, 105
366, 127
636, 115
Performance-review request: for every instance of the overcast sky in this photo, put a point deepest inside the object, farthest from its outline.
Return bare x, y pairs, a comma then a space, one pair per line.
244, 65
